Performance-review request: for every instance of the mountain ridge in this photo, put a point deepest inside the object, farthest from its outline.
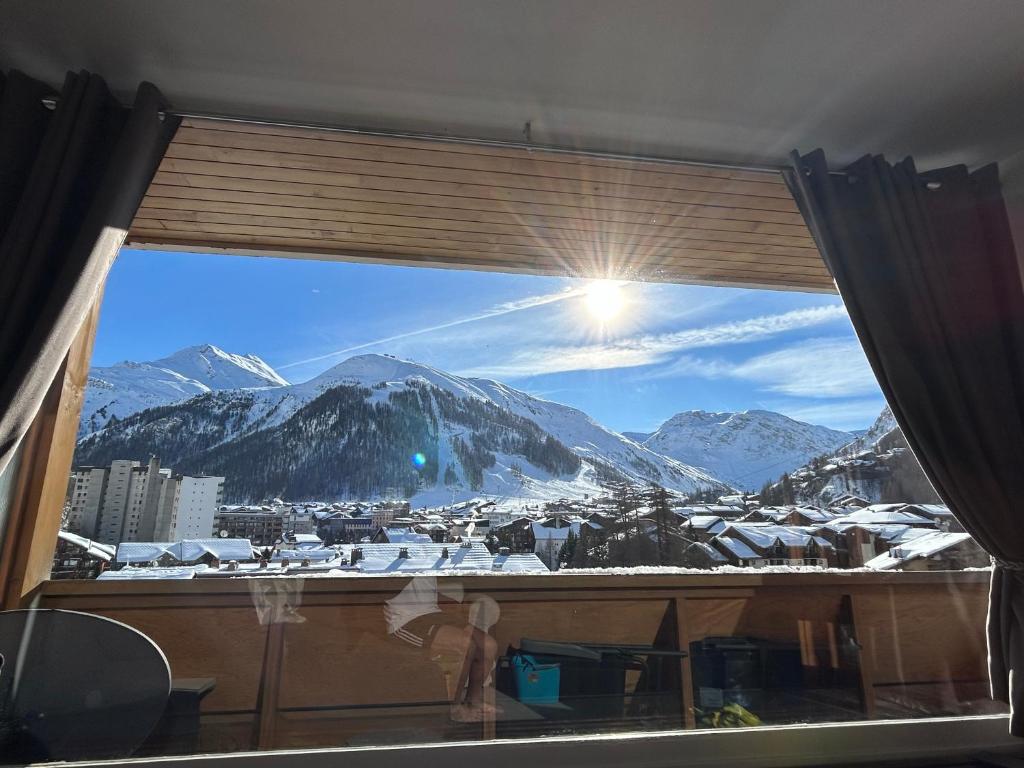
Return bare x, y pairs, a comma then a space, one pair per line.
743, 448
127, 387
478, 436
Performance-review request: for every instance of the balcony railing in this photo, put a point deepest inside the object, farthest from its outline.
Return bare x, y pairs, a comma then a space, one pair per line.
310, 663
803, 562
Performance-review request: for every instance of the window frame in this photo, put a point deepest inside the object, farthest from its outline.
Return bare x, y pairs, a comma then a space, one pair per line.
39, 487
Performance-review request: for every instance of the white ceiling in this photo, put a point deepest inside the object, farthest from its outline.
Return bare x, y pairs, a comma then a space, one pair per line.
730, 80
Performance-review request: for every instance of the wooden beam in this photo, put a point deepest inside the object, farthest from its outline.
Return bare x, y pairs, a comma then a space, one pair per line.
243, 188
42, 483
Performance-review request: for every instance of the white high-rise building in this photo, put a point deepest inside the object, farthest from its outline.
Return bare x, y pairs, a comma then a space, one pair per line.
110, 522
196, 502
132, 502
85, 499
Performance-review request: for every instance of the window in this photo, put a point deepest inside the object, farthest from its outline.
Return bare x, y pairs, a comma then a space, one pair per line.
565, 506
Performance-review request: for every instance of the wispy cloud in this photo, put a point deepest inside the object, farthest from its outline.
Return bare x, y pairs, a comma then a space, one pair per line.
814, 368
655, 348
820, 368
498, 310
842, 414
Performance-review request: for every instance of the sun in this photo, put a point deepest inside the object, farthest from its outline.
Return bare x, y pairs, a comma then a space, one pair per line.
605, 300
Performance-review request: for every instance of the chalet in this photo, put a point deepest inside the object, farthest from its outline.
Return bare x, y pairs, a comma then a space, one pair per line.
738, 552
550, 534
849, 500
401, 536
302, 541
767, 515
700, 554
517, 535
807, 516
939, 514
186, 552
703, 527
885, 514
932, 551
785, 545
77, 557
338, 527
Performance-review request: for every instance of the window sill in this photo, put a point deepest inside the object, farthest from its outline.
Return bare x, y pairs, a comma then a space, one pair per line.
941, 740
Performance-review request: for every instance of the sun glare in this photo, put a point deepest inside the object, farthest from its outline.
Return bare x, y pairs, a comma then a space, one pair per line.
605, 300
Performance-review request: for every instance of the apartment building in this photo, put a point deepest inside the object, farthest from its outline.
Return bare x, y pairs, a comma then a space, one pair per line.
85, 499
130, 501
195, 503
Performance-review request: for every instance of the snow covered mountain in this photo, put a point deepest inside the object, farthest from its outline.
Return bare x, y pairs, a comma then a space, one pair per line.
877, 466
125, 388
744, 449
374, 424
882, 427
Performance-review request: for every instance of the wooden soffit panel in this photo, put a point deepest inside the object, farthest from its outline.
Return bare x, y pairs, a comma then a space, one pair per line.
252, 188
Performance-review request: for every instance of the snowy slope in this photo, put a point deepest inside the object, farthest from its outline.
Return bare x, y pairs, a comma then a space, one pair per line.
744, 449
252, 421
128, 387
385, 374
569, 425
884, 425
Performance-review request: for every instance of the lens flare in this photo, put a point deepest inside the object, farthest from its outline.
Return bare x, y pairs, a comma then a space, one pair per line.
419, 460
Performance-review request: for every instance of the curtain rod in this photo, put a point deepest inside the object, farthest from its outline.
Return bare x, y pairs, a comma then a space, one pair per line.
50, 102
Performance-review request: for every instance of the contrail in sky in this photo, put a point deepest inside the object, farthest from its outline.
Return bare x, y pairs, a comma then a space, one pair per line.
496, 311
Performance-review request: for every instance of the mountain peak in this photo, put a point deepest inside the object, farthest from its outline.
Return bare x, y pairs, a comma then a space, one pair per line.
744, 448
208, 362
127, 387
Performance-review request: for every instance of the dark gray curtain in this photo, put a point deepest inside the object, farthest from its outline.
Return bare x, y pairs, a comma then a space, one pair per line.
71, 179
926, 266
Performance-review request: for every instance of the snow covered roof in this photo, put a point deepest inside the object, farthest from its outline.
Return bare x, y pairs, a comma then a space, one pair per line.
300, 539
405, 536
298, 555
519, 563
379, 559
543, 532
710, 523
815, 515
767, 535
189, 550
710, 551
186, 551
92, 548
927, 545
738, 548
426, 558
183, 572
882, 514
929, 510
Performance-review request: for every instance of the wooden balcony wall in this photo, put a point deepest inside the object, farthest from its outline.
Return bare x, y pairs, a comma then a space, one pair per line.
334, 679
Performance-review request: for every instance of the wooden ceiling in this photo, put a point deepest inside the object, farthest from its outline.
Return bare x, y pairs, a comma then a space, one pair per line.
251, 188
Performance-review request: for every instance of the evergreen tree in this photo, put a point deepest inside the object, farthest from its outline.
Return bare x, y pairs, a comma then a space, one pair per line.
788, 497
568, 551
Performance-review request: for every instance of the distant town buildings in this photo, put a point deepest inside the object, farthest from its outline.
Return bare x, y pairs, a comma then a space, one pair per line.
162, 519
132, 501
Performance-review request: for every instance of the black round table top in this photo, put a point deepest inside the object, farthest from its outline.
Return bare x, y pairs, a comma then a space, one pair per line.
76, 686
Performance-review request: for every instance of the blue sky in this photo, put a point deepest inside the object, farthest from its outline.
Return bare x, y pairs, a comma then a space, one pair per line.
668, 347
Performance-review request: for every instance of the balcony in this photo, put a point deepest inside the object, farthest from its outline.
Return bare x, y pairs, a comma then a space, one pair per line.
309, 664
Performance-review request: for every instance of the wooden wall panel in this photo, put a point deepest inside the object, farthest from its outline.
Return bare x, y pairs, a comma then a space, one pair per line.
226, 644
925, 634
268, 189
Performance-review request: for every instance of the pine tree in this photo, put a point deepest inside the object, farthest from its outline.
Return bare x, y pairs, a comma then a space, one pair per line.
788, 497
658, 499
568, 551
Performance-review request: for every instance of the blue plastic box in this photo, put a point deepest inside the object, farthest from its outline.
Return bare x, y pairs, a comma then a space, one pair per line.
535, 683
